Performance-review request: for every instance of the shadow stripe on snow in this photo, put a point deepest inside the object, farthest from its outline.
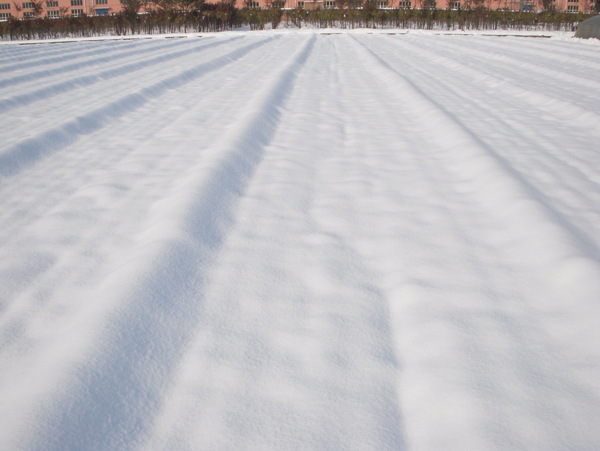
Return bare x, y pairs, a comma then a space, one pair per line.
19, 156
507, 76
454, 83
564, 109
155, 297
88, 80
65, 56
510, 185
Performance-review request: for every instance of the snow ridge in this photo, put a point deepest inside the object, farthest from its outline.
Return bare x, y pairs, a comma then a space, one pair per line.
189, 231
300, 240
26, 152
89, 80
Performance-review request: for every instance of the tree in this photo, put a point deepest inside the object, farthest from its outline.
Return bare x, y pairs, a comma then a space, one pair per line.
17, 7
129, 13
131, 7
38, 8
191, 5
549, 5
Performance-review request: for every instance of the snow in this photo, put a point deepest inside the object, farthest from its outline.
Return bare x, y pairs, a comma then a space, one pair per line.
300, 240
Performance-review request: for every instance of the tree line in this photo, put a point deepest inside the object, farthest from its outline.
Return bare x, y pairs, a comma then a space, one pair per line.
189, 16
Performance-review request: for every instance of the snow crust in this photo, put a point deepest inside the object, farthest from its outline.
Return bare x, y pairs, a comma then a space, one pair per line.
300, 240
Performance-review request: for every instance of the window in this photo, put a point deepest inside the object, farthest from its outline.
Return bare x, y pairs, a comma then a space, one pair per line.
76, 2
382, 4
53, 4
329, 4
278, 4
54, 14
28, 15
77, 12
573, 8
102, 11
573, 1
404, 5
5, 16
4, 5
300, 4
101, 2
454, 5
253, 5
28, 5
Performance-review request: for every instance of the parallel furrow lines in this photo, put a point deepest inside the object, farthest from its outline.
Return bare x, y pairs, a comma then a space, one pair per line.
67, 53
88, 81
27, 152
134, 359
522, 148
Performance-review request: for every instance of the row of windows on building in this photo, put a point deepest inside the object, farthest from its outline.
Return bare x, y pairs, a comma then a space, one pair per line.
49, 13
53, 14
49, 4
403, 4
331, 4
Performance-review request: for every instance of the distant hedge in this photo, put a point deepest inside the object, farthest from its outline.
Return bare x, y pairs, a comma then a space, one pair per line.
224, 16
437, 19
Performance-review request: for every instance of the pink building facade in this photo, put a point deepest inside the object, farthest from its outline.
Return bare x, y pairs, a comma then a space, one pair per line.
23, 9
585, 6
59, 8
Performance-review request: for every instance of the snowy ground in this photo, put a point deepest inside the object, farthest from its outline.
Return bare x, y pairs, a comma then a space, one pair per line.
301, 240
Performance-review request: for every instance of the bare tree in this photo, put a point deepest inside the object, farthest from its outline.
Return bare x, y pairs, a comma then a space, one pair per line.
549, 5
38, 8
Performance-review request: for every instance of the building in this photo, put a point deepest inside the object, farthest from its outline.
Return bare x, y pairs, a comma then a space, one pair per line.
56, 8
59, 8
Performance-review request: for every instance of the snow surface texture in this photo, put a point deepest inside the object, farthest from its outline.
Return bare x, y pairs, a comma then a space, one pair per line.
288, 241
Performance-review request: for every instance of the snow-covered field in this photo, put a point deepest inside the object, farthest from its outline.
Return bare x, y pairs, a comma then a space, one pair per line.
300, 241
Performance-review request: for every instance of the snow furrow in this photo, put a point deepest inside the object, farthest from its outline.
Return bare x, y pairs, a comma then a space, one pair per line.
39, 116
24, 72
102, 165
27, 152
115, 174
51, 53
301, 240
88, 81
549, 253
515, 186
573, 171
565, 101
337, 388
560, 48
538, 55
121, 384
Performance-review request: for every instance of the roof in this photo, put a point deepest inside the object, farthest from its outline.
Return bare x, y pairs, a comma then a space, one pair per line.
589, 28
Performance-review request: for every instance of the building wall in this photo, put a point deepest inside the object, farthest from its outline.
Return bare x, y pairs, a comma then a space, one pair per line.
514, 5
58, 8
